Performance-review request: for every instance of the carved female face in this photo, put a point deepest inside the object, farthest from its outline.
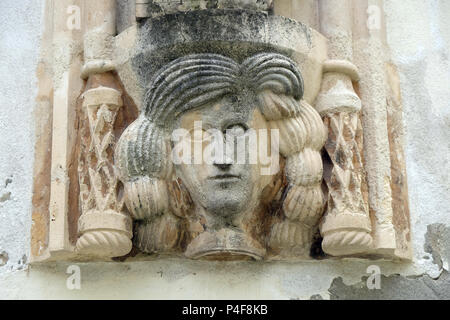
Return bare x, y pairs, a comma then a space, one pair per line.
218, 108
221, 173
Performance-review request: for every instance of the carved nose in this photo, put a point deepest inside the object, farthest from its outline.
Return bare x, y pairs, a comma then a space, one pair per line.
222, 159
223, 163
223, 166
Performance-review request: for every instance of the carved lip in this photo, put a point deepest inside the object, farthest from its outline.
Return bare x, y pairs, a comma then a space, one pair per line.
225, 177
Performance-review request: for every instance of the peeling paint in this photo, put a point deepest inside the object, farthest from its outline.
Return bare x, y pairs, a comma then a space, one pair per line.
5, 197
394, 287
3, 258
8, 181
437, 243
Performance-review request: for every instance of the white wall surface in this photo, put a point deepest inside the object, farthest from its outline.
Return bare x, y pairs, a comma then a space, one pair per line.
20, 30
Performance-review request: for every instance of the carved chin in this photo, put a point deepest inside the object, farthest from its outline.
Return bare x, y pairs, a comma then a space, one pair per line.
226, 203
225, 208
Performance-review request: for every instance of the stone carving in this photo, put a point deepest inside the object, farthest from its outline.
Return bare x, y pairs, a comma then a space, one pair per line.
346, 228
313, 183
103, 226
304, 135
154, 8
220, 208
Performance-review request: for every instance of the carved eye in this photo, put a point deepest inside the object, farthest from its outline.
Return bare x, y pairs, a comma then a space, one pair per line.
236, 130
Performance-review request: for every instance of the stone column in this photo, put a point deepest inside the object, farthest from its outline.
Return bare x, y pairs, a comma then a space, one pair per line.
100, 21
105, 230
142, 8
370, 55
346, 228
67, 86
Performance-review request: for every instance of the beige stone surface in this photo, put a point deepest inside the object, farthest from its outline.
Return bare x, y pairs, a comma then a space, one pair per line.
306, 11
67, 86
100, 25
370, 57
42, 149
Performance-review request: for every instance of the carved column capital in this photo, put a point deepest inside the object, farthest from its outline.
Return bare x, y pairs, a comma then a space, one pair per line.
337, 95
99, 37
142, 9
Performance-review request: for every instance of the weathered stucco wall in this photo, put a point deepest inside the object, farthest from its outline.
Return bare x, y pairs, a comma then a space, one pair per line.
19, 52
419, 39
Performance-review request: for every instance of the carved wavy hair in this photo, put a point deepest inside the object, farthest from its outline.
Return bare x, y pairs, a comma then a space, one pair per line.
143, 151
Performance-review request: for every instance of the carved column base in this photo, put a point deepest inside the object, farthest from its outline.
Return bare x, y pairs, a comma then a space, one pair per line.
346, 234
105, 234
346, 242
